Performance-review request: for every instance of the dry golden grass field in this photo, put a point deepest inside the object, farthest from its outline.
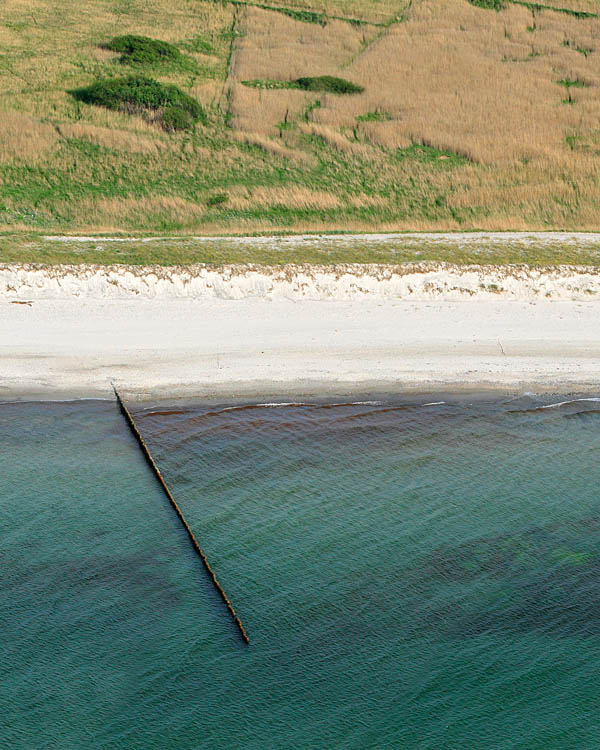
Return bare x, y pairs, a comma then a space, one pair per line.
470, 117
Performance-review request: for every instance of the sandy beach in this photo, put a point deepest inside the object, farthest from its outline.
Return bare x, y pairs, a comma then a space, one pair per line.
289, 333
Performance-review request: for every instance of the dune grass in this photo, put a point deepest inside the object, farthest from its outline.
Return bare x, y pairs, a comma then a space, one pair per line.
428, 144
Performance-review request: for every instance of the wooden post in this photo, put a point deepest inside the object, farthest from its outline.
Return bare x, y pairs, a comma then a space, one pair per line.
159, 476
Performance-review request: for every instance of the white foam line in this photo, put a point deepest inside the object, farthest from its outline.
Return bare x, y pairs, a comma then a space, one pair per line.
355, 403
275, 404
55, 400
434, 403
570, 401
233, 408
283, 403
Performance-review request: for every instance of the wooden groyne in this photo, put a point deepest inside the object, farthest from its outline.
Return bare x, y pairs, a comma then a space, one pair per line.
194, 541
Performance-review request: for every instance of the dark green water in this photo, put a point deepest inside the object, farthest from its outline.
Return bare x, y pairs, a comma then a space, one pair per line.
410, 576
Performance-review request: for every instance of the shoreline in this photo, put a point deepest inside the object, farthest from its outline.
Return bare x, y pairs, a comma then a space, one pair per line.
324, 397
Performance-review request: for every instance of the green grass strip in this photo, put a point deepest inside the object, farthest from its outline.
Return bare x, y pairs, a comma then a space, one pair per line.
326, 250
308, 16
567, 11
502, 4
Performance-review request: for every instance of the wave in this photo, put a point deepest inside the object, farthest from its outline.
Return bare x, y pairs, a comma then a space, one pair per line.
72, 400
556, 405
274, 404
564, 403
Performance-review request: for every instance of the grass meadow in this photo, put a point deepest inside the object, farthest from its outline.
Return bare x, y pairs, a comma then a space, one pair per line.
468, 118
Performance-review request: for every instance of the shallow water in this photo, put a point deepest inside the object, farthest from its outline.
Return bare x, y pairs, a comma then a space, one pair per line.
410, 576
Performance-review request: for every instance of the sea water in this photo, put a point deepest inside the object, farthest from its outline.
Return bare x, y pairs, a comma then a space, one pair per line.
412, 574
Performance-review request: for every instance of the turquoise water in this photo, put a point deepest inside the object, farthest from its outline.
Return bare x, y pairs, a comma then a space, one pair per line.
410, 576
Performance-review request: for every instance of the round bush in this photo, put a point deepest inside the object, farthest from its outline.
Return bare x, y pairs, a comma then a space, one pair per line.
217, 199
137, 93
175, 118
141, 50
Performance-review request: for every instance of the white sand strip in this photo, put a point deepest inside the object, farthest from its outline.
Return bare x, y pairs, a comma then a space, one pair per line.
158, 348
296, 331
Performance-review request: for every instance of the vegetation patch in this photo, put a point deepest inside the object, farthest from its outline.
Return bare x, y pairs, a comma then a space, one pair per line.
304, 16
312, 16
376, 116
200, 44
572, 83
141, 50
217, 199
329, 84
575, 142
313, 105
428, 154
172, 107
176, 118
567, 11
144, 52
268, 83
585, 51
489, 4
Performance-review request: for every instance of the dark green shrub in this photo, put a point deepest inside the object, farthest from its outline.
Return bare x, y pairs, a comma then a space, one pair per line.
175, 118
331, 84
141, 50
217, 199
489, 4
138, 94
